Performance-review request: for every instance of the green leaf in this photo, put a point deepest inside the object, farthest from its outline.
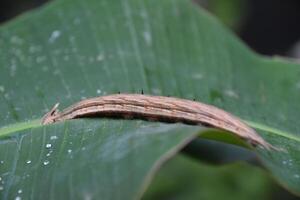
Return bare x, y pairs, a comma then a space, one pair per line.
70, 50
111, 159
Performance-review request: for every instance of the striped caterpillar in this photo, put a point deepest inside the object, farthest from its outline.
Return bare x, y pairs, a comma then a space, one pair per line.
157, 108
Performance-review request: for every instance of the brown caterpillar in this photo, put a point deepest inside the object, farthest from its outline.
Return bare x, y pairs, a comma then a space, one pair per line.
157, 108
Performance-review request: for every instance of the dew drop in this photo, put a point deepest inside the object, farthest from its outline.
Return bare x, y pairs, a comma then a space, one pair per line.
48, 146
2, 89
298, 85
54, 35
45, 68
98, 91
28, 161
74, 49
147, 38
18, 198
56, 72
100, 57
53, 137
46, 162
66, 58
13, 69
231, 94
89, 129
156, 91
284, 162
20, 191
40, 59
197, 76
16, 40
34, 49
6, 96
69, 150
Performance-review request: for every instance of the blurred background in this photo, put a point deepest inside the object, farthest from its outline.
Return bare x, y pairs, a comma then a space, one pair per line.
269, 27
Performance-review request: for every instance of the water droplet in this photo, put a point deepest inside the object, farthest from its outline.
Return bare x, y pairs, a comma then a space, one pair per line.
0, 178
54, 35
28, 161
74, 49
83, 148
69, 150
284, 162
13, 69
6, 96
1, 161
34, 49
48, 146
40, 59
147, 38
16, 40
298, 85
231, 93
18, 198
66, 58
46, 162
100, 57
45, 68
53, 137
1, 187
156, 90
197, 76
2, 89
297, 176
98, 91
56, 72
20, 191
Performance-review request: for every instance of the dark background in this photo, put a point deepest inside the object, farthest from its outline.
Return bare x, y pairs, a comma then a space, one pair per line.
270, 27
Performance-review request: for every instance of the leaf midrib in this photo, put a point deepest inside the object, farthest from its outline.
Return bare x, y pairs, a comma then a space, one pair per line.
272, 130
7, 130
20, 126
